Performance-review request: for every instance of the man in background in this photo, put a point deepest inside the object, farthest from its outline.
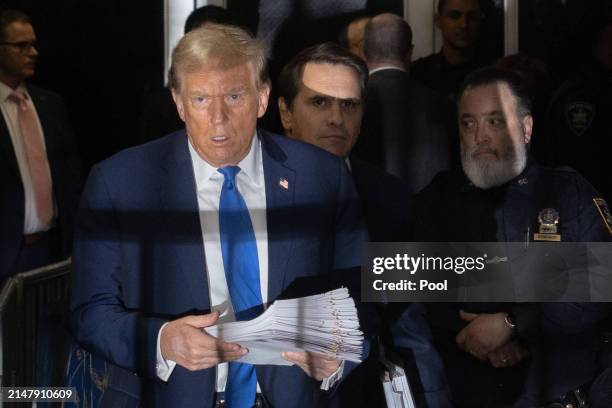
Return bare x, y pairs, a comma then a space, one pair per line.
579, 121
459, 23
39, 163
351, 37
321, 98
405, 123
321, 102
518, 354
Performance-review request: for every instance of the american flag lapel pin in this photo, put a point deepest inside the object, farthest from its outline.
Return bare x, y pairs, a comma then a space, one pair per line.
284, 183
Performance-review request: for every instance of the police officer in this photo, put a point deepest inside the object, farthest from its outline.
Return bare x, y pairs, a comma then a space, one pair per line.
580, 117
504, 354
459, 22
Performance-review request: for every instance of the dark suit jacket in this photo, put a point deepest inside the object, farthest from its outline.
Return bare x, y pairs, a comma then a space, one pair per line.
385, 200
388, 210
65, 173
139, 257
405, 129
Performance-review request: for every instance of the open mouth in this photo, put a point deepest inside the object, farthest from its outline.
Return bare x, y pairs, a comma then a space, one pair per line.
219, 139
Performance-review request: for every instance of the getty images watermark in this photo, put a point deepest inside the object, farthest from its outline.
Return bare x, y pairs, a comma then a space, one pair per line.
487, 272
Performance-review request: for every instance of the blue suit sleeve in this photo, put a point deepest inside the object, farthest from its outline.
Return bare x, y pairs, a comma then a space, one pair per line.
99, 319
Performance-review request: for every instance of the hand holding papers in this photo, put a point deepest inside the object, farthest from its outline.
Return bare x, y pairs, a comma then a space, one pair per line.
325, 324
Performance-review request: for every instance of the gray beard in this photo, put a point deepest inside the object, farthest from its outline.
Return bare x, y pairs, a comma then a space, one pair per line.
490, 173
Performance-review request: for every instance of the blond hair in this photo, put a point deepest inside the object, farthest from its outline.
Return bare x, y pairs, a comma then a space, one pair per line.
217, 46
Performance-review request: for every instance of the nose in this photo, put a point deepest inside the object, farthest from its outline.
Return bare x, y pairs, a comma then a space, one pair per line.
463, 21
336, 117
218, 110
481, 136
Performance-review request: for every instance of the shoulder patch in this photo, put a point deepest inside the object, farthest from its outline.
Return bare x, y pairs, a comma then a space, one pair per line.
579, 116
604, 211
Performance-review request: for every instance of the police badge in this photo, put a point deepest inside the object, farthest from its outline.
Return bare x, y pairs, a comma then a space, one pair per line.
604, 211
579, 116
549, 221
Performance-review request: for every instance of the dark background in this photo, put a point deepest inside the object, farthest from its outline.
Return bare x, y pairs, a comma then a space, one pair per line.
104, 57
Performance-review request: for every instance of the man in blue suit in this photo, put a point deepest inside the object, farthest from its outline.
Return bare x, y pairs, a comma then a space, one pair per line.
153, 261
38, 192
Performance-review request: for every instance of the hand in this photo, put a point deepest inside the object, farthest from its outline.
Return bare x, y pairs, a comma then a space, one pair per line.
484, 333
508, 355
184, 342
315, 365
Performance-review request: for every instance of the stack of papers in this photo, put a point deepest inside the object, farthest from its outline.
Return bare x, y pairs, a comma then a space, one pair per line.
325, 324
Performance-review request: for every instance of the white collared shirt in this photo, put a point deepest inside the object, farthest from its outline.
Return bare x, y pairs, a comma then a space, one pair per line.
251, 184
9, 110
386, 67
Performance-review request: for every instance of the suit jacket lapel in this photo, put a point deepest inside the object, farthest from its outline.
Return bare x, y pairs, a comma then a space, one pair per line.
280, 188
181, 213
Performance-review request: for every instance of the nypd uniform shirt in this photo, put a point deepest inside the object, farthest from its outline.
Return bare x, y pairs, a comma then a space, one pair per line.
451, 209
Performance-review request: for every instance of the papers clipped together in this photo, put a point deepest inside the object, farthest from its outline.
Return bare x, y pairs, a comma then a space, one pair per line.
325, 324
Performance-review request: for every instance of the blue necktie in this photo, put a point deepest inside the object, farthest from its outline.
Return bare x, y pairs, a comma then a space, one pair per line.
242, 274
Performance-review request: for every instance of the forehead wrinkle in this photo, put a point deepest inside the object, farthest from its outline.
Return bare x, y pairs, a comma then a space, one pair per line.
206, 81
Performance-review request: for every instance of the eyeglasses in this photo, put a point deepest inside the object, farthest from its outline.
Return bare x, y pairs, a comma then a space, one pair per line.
24, 46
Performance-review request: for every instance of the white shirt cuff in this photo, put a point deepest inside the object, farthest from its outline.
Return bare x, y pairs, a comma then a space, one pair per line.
163, 368
329, 382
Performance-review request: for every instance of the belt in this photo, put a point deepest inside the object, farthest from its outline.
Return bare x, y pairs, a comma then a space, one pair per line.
221, 403
30, 239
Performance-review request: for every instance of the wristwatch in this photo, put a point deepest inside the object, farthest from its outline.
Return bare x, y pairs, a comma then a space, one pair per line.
510, 321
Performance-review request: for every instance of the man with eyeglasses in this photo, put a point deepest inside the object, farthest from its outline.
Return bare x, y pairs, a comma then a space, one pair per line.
39, 165
459, 23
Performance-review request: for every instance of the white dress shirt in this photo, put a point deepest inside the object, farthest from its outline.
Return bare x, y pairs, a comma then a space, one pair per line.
386, 67
9, 108
250, 182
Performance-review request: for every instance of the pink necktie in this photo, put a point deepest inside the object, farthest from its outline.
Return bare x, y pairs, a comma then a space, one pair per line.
36, 155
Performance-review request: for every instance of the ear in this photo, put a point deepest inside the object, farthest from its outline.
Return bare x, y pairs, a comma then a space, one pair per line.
179, 104
264, 97
527, 128
285, 115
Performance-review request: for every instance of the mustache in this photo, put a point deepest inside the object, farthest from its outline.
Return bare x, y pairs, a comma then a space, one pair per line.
476, 150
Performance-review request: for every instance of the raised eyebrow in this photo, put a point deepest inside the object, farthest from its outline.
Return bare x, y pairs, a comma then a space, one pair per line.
495, 113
